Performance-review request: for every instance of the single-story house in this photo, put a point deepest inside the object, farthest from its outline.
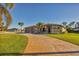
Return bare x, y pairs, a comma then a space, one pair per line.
46, 28
12, 29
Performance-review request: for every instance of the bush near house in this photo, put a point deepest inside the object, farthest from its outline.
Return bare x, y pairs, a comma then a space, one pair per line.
11, 44
69, 37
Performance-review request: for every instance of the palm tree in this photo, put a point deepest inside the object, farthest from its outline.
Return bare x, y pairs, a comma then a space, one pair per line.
71, 23
64, 24
21, 25
39, 25
69, 26
4, 10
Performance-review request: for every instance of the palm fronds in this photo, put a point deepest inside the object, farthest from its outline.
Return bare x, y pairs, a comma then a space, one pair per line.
4, 10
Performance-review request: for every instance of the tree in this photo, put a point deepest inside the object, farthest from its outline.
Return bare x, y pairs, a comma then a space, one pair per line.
4, 10
21, 25
3, 27
64, 23
71, 23
69, 26
39, 25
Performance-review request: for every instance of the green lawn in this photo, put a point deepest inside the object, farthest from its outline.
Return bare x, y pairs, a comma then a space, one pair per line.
70, 37
12, 43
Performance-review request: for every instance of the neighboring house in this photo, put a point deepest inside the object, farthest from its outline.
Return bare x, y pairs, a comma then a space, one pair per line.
47, 28
13, 29
16, 30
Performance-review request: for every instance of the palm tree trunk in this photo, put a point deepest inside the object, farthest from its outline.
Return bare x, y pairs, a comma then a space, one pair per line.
6, 28
0, 22
1, 10
21, 28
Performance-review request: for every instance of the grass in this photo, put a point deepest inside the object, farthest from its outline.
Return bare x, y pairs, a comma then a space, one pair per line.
69, 37
12, 43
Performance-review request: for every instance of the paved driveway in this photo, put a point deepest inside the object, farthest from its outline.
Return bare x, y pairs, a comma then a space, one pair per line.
45, 44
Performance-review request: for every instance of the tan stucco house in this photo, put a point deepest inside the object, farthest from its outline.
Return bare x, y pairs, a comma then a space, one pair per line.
47, 28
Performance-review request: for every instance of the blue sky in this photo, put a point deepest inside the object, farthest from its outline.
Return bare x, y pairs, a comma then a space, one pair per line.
31, 14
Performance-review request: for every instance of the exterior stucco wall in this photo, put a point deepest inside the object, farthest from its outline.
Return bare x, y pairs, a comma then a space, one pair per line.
45, 29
